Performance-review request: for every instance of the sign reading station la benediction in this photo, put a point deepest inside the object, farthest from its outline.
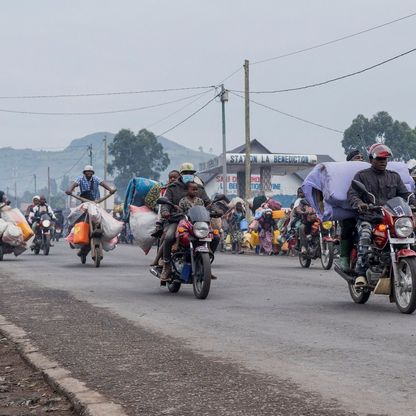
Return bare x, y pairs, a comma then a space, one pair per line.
272, 159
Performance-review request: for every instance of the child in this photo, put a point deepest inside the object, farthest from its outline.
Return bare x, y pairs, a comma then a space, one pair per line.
191, 199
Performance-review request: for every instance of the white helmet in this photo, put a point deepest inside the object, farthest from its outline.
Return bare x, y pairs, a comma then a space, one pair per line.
88, 168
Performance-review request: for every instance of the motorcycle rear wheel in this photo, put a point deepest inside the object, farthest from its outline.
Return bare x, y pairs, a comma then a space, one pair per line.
202, 276
174, 287
327, 259
1, 253
405, 293
359, 297
304, 261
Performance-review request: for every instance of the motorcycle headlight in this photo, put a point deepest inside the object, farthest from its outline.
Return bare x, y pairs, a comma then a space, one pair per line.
403, 227
46, 223
201, 229
327, 225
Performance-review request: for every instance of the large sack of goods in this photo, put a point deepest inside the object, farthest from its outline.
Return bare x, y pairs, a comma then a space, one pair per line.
12, 235
327, 185
137, 191
15, 217
143, 224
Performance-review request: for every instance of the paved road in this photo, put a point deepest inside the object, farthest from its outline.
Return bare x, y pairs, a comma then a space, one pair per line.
265, 315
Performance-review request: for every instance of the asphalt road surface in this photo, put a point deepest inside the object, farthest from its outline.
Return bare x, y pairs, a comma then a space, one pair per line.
292, 339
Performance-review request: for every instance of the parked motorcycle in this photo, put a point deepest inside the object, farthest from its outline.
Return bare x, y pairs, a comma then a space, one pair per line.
42, 240
191, 263
391, 258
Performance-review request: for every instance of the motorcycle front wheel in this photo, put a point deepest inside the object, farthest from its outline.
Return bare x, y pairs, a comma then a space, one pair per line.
174, 287
327, 255
202, 275
46, 245
360, 296
1, 253
404, 289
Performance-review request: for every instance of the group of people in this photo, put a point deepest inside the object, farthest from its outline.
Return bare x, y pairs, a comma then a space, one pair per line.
185, 190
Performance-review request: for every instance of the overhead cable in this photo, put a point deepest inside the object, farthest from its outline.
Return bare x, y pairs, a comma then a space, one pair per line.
291, 115
89, 113
101, 94
318, 84
320, 45
190, 116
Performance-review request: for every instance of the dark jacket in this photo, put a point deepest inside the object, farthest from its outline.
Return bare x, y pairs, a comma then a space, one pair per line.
177, 190
384, 185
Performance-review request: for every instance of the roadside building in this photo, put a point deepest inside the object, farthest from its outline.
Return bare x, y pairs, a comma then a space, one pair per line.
279, 175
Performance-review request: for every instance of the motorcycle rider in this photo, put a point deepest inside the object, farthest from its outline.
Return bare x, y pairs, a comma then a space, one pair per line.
36, 213
3, 200
384, 185
349, 225
89, 185
35, 201
174, 193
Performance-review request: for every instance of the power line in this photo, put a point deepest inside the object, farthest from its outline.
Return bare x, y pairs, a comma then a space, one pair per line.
177, 111
291, 115
101, 94
187, 118
127, 110
231, 75
320, 45
318, 84
75, 164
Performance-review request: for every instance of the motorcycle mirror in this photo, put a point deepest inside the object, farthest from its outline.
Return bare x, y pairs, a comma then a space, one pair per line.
359, 187
164, 201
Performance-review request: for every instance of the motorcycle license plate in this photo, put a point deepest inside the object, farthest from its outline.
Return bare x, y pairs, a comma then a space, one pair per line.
202, 249
402, 240
205, 239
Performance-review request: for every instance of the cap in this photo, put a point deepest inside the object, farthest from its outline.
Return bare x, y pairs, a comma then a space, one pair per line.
88, 168
187, 167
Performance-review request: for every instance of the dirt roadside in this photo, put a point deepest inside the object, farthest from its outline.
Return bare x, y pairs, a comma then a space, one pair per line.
23, 391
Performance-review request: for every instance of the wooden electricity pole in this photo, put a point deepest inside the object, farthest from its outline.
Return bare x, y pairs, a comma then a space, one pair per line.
247, 165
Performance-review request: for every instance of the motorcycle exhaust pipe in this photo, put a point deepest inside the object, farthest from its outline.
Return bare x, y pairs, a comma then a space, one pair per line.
345, 276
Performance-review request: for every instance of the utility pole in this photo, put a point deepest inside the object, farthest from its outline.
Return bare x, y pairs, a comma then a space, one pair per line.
105, 167
34, 178
15, 187
49, 184
224, 99
247, 164
90, 153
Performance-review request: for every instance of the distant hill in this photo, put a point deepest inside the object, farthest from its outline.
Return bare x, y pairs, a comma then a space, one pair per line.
25, 163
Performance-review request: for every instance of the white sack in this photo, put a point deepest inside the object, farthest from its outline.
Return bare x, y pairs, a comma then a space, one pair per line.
142, 225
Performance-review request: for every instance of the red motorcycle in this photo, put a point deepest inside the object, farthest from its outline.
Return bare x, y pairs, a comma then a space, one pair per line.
391, 259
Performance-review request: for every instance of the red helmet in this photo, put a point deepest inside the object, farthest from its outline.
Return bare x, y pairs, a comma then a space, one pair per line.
379, 150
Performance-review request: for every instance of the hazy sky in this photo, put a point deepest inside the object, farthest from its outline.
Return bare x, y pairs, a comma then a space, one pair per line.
53, 46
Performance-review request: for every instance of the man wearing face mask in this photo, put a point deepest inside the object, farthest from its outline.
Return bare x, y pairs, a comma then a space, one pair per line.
175, 192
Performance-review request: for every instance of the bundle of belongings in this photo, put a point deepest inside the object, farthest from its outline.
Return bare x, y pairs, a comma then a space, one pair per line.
139, 210
80, 233
327, 185
14, 229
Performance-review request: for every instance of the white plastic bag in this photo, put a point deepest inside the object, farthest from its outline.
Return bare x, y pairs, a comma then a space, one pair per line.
142, 225
13, 235
3, 226
76, 213
109, 245
110, 226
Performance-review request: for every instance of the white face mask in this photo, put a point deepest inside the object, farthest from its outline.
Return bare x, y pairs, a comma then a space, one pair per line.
188, 178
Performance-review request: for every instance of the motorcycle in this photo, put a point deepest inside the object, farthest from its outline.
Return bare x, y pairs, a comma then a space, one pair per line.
391, 258
96, 233
42, 240
321, 244
58, 233
191, 263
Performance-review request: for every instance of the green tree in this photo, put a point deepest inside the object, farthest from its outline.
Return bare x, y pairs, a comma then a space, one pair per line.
363, 132
136, 155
